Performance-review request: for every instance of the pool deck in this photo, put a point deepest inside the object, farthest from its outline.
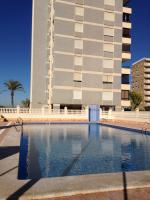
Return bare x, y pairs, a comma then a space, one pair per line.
134, 194
127, 124
115, 186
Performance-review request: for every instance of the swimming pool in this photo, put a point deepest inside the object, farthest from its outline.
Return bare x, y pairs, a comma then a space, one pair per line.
57, 150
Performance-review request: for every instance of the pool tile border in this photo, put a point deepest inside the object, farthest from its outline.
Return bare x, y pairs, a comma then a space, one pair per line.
126, 128
138, 130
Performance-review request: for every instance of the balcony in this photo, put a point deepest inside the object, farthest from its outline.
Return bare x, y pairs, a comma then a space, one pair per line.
147, 81
127, 10
147, 104
147, 92
147, 98
126, 36
126, 40
125, 87
127, 25
147, 69
147, 64
126, 56
147, 87
146, 75
126, 71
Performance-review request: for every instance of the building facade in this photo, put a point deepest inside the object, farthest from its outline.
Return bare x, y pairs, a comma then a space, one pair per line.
78, 48
141, 81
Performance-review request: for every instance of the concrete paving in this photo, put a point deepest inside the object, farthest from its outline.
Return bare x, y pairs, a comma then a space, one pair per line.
12, 188
134, 194
128, 124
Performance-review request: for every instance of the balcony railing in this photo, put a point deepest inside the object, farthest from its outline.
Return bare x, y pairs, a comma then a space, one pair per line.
126, 55
147, 92
147, 98
147, 87
147, 75
147, 81
147, 69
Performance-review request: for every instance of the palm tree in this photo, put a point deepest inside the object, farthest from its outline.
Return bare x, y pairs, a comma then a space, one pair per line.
13, 86
26, 103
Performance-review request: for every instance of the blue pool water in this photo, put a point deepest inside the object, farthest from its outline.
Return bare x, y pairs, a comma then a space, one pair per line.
69, 150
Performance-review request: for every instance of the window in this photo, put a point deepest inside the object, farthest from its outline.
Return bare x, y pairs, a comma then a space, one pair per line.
78, 60
110, 2
78, 44
107, 79
126, 33
107, 96
77, 77
109, 16
79, 11
125, 95
107, 63
77, 94
126, 17
125, 79
108, 31
126, 48
78, 27
109, 47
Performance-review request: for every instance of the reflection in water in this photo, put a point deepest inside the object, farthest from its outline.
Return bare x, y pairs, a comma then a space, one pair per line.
64, 150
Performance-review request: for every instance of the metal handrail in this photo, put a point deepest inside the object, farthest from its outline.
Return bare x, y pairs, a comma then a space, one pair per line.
144, 129
19, 122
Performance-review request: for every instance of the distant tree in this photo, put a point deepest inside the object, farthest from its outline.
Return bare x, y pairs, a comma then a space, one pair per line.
13, 86
135, 99
26, 103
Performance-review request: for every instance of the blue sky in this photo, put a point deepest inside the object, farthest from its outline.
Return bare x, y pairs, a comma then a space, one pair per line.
15, 41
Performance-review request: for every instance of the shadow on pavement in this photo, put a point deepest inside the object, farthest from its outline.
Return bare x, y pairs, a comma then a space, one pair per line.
8, 151
8, 171
22, 190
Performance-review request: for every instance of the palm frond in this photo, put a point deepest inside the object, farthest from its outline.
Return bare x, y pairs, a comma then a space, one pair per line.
13, 85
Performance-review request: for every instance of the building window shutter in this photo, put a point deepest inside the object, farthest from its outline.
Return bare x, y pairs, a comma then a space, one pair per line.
107, 96
78, 60
79, 44
77, 94
79, 27
109, 48
77, 76
79, 11
109, 16
108, 31
108, 63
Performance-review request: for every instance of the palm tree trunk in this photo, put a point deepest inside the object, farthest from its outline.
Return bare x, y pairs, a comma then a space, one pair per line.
12, 98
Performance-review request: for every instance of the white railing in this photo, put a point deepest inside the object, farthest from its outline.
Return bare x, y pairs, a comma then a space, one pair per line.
127, 115
27, 113
46, 113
